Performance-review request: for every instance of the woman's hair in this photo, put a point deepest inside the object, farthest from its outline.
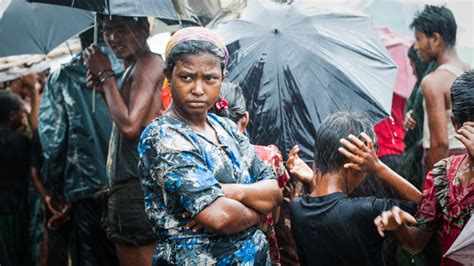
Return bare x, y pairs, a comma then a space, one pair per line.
420, 67
192, 47
335, 127
436, 19
462, 97
232, 93
412, 53
9, 102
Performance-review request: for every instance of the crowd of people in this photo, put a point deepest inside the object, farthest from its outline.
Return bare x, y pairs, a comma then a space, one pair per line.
126, 176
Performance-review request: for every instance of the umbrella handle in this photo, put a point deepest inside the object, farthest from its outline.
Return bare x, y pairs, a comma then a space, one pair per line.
93, 100
96, 40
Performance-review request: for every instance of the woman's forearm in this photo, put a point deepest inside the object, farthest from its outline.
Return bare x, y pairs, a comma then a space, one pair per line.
262, 196
227, 216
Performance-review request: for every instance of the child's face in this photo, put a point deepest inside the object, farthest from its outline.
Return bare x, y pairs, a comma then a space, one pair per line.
17, 118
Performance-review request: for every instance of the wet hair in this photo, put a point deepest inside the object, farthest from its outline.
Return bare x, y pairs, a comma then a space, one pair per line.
139, 21
9, 102
420, 67
462, 97
436, 19
191, 47
234, 95
338, 125
412, 53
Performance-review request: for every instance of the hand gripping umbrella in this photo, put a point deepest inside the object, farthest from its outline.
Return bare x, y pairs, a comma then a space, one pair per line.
168, 11
296, 69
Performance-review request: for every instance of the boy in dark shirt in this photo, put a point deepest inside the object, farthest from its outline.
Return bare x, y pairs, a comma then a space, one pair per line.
15, 165
329, 227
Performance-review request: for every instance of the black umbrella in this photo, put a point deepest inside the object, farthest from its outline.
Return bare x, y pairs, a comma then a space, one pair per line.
169, 11
296, 69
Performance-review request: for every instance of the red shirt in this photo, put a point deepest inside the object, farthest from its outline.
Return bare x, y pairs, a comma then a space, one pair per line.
390, 131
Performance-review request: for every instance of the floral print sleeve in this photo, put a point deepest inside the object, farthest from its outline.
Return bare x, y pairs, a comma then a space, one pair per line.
430, 212
174, 162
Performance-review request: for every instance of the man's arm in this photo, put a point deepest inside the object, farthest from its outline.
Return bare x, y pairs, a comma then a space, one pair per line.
146, 77
262, 196
435, 101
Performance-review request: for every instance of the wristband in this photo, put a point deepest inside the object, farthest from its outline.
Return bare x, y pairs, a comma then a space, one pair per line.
104, 75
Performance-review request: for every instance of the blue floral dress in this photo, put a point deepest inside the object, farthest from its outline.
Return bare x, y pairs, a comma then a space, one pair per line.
181, 171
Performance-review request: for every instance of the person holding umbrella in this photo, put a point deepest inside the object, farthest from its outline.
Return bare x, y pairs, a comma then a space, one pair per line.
205, 188
132, 102
74, 146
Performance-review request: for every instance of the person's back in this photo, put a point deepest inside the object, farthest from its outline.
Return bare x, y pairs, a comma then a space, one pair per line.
15, 162
338, 230
15, 165
329, 227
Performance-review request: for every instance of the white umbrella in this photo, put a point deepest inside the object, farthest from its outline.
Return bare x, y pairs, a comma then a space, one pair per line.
462, 250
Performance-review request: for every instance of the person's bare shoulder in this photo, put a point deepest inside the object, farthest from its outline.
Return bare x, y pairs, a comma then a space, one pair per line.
437, 83
150, 66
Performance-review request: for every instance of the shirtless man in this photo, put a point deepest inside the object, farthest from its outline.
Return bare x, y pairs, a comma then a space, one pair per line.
133, 102
435, 32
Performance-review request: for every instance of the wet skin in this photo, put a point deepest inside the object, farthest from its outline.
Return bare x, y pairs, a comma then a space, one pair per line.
196, 82
124, 37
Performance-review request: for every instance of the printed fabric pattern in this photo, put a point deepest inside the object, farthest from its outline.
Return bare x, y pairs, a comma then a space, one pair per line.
181, 171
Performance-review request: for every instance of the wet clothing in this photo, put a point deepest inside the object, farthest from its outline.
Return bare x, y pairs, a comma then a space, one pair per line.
124, 217
390, 131
338, 230
75, 143
446, 205
452, 141
122, 158
3, 250
15, 165
74, 140
271, 155
413, 153
181, 171
93, 247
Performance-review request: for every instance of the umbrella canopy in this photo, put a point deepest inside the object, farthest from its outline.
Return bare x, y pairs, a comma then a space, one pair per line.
27, 28
296, 69
397, 46
462, 250
169, 11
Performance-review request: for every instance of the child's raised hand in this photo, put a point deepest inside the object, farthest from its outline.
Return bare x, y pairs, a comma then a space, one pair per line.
466, 135
297, 167
392, 219
362, 155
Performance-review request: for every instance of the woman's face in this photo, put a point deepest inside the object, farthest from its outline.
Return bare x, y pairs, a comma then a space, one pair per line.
196, 83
